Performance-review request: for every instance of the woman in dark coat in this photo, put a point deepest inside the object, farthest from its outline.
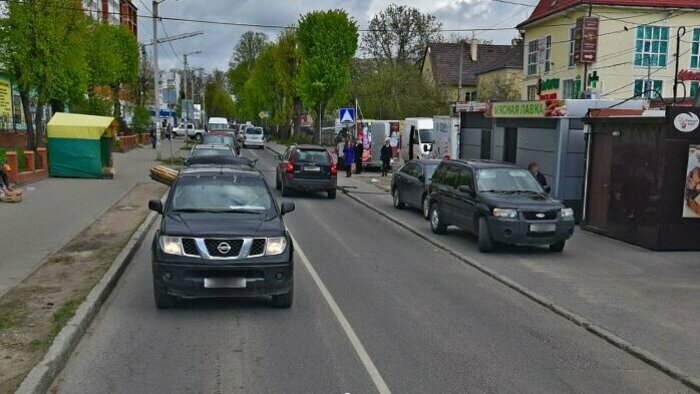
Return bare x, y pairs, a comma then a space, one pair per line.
349, 151
359, 150
385, 156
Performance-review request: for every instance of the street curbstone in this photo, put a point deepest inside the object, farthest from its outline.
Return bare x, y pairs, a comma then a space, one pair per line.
41, 377
635, 351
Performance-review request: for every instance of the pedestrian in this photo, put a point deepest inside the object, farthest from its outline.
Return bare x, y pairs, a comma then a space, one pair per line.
340, 150
385, 156
349, 151
4, 180
152, 133
359, 150
534, 169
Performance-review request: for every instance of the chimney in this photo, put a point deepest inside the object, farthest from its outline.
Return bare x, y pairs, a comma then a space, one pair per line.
473, 49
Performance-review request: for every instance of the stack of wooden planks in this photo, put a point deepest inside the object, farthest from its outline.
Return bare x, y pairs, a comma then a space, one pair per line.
12, 196
163, 174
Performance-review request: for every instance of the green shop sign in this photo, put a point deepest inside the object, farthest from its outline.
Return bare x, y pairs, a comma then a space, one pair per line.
535, 109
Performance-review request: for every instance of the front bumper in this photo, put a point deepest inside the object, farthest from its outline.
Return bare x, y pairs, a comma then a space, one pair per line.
517, 231
311, 184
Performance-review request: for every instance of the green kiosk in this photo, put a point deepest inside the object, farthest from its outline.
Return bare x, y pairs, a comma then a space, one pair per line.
80, 146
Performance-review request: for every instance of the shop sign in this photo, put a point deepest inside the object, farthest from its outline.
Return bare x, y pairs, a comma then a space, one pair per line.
470, 106
586, 39
686, 122
528, 109
687, 75
549, 89
691, 200
5, 99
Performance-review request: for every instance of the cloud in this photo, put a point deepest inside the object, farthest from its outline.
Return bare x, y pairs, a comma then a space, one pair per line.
218, 41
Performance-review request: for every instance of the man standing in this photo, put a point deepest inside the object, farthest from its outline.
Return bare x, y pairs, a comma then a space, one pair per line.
534, 169
385, 156
359, 150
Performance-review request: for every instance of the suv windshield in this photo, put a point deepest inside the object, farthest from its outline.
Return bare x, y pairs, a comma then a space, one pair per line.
218, 126
426, 136
507, 180
212, 152
313, 156
221, 194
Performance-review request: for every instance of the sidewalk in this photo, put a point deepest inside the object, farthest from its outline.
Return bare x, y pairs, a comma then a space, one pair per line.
56, 209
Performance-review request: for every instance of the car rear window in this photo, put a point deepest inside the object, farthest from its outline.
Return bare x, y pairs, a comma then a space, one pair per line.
254, 131
313, 156
212, 152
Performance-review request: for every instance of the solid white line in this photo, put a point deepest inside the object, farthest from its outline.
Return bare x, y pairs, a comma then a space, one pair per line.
344, 324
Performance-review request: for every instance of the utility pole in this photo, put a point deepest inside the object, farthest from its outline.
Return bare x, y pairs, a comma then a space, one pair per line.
461, 60
156, 72
185, 77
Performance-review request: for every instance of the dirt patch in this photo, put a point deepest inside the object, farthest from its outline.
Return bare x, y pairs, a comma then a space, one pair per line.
33, 313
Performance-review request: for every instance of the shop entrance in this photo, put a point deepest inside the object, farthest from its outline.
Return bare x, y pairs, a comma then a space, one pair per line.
599, 195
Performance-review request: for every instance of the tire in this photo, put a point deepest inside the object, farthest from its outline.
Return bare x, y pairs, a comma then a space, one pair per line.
198, 137
163, 300
332, 193
436, 223
278, 183
284, 300
396, 197
557, 247
485, 239
285, 191
425, 207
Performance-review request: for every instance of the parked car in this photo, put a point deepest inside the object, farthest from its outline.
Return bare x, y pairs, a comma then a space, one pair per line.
410, 185
308, 168
241, 132
221, 235
210, 150
254, 137
222, 137
499, 202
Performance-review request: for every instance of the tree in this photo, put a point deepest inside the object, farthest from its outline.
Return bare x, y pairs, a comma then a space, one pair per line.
42, 45
249, 46
142, 119
218, 100
400, 34
327, 43
287, 71
500, 88
144, 82
127, 68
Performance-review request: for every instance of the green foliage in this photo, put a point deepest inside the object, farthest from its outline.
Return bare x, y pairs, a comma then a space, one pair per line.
327, 42
218, 100
141, 120
94, 105
393, 91
250, 45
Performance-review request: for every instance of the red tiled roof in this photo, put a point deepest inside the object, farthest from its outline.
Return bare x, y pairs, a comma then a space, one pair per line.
549, 7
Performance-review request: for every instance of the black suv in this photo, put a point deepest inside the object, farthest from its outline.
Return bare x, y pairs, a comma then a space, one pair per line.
306, 167
499, 202
221, 235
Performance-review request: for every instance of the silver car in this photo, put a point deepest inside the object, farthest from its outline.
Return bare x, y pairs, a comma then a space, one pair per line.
254, 137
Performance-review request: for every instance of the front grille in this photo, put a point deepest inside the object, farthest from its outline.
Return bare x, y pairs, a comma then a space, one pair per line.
190, 247
217, 247
258, 247
548, 215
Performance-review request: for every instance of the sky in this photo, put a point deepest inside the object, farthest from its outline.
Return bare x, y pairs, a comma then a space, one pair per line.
218, 41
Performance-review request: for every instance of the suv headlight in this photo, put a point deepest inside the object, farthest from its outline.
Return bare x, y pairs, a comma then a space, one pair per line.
275, 246
505, 213
567, 212
171, 245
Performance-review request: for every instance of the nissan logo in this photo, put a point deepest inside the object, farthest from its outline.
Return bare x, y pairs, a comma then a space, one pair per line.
224, 248
539, 215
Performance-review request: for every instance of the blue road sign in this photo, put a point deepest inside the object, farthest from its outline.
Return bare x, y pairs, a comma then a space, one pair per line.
347, 115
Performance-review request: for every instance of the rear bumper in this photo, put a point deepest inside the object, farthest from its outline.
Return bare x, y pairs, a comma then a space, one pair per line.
311, 184
253, 143
187, 280
518, 232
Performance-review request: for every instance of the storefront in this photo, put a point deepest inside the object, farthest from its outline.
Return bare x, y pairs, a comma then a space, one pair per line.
644, 179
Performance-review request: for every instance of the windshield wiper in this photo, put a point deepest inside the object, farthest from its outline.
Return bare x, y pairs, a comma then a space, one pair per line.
225, 210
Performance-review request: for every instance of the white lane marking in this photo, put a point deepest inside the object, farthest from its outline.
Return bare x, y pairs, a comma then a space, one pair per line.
344, 324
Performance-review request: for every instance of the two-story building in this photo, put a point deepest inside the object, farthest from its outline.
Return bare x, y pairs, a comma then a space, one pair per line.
620, 49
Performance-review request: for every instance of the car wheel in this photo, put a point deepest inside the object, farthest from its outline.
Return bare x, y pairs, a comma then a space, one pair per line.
285, 190
396, 197
332, 193
485, 240
284, 300
163, 300
436, 223
557, 247
425, 206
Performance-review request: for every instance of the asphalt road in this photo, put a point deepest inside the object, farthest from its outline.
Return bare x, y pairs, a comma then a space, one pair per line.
385, 308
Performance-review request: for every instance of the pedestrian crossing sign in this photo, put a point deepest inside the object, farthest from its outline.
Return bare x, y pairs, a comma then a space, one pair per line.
347, 115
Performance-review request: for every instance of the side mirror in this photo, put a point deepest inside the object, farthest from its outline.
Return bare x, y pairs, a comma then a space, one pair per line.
287, 207
156, 206
426, 148
421, 178
465, 189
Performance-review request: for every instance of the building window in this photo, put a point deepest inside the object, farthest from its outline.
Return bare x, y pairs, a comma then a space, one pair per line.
532, 57
651, 46
470, 96
548, 54
642, 88
694, 89
572, 46
571, 88
695, 49
532, 92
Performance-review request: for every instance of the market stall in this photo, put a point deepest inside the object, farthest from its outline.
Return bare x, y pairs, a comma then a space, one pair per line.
80, 146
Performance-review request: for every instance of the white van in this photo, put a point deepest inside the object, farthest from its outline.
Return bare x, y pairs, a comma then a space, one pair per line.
216, 124
446, 137
417, 139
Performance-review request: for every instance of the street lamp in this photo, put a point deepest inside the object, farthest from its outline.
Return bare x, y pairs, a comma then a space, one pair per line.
185, 77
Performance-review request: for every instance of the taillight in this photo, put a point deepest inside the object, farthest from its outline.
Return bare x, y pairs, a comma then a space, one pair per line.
334, 169
289, 167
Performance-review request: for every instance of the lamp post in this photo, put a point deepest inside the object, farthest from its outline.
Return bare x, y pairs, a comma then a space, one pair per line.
156, 71
185, 78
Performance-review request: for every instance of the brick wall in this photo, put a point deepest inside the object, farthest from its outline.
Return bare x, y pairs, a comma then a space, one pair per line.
13, 139
32, 174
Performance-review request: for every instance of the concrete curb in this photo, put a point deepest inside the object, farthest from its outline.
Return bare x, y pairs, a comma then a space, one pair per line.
41, 377
636, 351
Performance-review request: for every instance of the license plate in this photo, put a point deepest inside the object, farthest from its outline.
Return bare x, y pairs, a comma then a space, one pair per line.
312, 169
224, 283
543, 228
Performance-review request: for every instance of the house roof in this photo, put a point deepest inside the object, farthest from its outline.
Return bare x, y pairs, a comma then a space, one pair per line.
548, 7
512, 59
444, 58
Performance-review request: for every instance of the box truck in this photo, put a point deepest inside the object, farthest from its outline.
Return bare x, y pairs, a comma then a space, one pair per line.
447, 141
